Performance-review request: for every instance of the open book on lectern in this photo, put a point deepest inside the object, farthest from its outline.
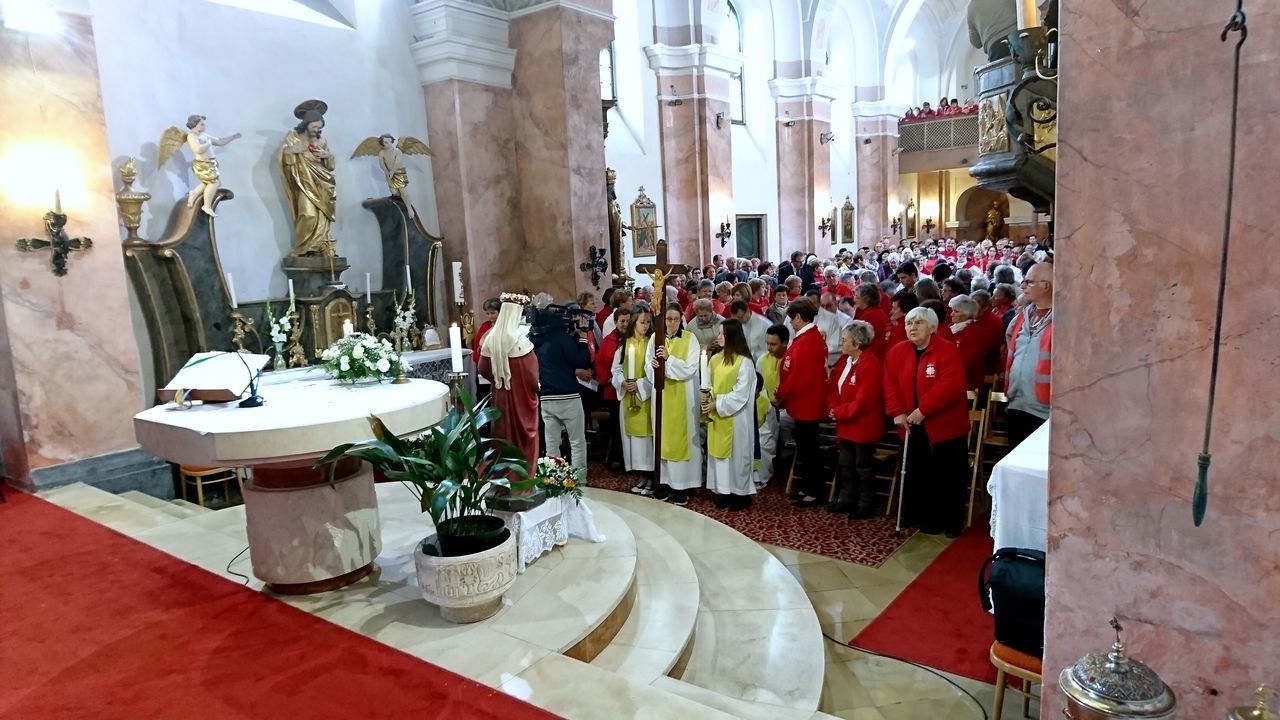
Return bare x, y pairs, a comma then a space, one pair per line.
215, 376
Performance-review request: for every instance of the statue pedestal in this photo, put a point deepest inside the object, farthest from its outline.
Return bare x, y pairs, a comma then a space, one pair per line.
314, 275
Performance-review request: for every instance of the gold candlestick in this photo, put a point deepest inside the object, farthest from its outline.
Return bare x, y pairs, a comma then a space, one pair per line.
370, 326
129, 202
297, 356
241, 326
400, 376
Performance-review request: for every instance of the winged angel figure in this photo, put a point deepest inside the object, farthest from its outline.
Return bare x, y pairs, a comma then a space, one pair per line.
390, 156
203, 164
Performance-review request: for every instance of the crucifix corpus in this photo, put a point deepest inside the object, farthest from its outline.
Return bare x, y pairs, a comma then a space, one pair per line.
659, 272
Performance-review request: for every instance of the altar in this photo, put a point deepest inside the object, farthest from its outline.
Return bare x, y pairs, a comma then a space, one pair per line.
1019, 488
310, 529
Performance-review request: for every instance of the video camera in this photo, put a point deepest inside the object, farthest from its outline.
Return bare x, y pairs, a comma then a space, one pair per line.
571, 318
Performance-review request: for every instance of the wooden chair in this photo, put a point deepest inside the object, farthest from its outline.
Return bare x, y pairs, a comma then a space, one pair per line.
201, 476
1027, 668
976, 417
598, 427
988, 437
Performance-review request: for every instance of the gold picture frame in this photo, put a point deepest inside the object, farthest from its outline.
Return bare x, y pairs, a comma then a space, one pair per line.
644, 226
846, 221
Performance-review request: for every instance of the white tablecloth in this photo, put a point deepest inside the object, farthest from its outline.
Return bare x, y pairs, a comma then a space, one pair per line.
552, 523
1019, 489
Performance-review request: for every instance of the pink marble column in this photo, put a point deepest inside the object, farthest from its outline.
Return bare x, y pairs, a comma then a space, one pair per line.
696, 146
804, 163
69, 368
876, 124
1137, 270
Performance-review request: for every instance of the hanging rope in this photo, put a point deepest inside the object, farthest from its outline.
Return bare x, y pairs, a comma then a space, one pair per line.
1200, 501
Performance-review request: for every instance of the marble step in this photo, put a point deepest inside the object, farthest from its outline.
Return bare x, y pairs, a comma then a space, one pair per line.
156, 503
757, 638
660, 625
117, 512
194, 508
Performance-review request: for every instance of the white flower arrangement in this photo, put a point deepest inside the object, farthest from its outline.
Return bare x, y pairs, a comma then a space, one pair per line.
362, 357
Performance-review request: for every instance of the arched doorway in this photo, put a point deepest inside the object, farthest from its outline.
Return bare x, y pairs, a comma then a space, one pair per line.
972, 207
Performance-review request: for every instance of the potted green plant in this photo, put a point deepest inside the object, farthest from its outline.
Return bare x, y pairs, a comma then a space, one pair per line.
470, 561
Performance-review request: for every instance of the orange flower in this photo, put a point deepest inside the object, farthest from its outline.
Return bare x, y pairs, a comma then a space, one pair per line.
569, 484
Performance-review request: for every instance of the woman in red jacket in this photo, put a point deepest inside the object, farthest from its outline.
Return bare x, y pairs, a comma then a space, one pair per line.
855, 394
924, 393
802, 393
904, 302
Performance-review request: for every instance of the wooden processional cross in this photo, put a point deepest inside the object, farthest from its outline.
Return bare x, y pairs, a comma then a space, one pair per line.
659, 272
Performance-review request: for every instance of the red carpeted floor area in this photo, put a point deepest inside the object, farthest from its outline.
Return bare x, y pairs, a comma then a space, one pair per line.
773, 519
96, 625
937, 620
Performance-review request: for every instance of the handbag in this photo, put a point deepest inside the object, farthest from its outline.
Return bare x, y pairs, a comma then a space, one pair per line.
1012, 582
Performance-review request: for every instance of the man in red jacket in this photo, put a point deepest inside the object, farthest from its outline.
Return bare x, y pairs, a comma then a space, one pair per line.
802, 393
603, 361
855, 394
924, 393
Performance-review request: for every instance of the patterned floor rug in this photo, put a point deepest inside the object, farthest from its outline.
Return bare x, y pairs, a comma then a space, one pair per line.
773, 519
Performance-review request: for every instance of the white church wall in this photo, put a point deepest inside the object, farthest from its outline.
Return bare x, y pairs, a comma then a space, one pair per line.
634, 145
842, 71
755, 144
246, 71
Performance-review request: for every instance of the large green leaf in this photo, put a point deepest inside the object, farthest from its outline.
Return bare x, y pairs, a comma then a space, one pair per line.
334, 454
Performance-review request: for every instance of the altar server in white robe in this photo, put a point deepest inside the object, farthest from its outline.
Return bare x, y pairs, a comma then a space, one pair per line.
635, 394
681, 469
731, 423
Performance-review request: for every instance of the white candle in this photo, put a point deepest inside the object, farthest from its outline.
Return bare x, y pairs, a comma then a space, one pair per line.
231, 290
347, 327
705, 371
458, 295
455, 347
368, 290
631, 362
291, 292
1027, 15
57, 200
408, 280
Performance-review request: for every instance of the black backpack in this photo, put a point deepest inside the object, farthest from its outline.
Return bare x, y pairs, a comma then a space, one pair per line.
1012, 581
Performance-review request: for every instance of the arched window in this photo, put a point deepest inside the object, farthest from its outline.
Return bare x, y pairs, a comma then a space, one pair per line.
731, 38
608, 75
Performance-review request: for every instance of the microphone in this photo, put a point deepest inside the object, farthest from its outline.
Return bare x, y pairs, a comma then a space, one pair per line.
254, 400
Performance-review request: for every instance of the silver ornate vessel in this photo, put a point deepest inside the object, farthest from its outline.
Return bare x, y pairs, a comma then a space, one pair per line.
1103, 686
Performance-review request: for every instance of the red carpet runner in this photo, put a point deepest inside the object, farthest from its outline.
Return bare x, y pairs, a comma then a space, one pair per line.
773, 519
937, 620
96, 625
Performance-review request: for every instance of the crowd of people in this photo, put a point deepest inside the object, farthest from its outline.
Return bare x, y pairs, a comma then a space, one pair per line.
945, 108
755, 356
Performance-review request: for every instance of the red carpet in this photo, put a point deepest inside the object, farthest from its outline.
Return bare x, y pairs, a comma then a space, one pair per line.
774, 520
96, 625
937, 620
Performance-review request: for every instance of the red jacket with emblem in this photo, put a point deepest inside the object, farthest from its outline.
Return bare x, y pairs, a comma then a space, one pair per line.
939, 378
603, 361
802, 379
858, 403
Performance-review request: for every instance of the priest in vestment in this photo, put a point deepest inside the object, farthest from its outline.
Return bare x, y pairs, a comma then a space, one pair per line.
508, 362
731, 425
681, 468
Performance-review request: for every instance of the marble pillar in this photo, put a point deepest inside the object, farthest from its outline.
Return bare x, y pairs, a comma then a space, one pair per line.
69, 368
876, 125
804, 163
1139, 239
518, 146
696, 146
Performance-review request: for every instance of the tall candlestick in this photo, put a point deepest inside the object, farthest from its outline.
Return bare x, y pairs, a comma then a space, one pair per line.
57, 200
408, 280
231, 290
705, 368
368, 290
1027, 15
458, 295
455, 347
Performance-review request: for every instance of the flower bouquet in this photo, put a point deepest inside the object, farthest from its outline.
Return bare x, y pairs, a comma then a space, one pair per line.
359, 357
279, 328
556, 477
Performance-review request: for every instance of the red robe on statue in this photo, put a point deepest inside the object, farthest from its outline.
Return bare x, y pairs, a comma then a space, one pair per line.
519, 405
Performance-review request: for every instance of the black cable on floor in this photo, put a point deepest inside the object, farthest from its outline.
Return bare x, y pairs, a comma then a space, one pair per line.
233, 562
949, 681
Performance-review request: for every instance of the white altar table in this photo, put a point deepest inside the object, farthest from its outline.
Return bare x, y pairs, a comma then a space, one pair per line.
1019, 489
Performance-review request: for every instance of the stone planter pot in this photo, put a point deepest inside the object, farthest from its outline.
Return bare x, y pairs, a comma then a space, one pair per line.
468, 588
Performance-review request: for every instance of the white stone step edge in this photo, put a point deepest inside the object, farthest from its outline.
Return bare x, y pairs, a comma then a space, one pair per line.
156, 503
194, 508
117, 512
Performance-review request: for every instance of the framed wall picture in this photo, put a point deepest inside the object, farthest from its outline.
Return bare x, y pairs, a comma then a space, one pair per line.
644, 226
846, 221
835, 229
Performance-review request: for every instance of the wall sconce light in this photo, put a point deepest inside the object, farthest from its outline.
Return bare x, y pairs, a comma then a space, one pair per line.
826, 137
59, 243
789, 122
596, 264
929, 225
719, 120
725, 233
896, 225
675, 100
825, 226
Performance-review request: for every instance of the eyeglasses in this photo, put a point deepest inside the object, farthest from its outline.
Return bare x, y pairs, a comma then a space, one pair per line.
1025, 283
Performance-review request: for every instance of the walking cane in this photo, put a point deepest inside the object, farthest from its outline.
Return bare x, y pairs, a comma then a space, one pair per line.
902, 481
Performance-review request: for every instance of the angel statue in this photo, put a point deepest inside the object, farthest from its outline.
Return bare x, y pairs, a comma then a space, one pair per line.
391, 157
203, 164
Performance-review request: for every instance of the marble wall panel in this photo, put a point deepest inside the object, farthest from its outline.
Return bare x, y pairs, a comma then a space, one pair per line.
877, 180
75, 366
1141, 186
697, 175
804, 185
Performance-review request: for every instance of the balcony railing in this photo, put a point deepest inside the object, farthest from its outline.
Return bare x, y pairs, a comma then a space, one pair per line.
940, 134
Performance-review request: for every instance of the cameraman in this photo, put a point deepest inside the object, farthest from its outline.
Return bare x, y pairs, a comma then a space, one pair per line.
560, 340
